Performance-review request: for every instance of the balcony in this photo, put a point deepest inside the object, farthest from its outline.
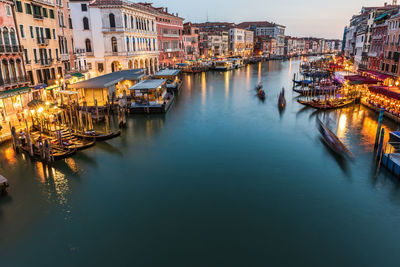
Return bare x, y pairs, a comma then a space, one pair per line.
114, 29
45, 62
64, 57
14, 81
37, 16
10, 49
90, 54
28, 62
171, 50
42, 41
171, 35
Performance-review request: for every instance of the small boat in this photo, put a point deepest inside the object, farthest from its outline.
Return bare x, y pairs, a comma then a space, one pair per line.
3, 185
96, 136
59, 153
282, 100
331, 105
259, 87
303, 82
261, 94
333, 142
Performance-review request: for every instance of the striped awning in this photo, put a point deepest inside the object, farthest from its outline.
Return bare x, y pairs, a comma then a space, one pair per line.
14, 92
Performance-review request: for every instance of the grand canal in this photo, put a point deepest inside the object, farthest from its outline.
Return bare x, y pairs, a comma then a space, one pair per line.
222, 180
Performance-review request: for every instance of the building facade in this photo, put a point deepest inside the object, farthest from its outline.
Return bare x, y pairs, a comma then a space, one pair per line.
40, 24
191, 38
12, 70
115, 35
265, 28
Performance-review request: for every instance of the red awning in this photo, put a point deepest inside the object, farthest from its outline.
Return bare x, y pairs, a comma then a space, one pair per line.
377, 75
358, 79
392, 92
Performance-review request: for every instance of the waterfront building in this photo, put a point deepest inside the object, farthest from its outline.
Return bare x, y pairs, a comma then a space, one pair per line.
392, 54
241, 42
169, 34
265, 28
378, 42
41, 24
191, 41
115, 35
13, 91
218, 43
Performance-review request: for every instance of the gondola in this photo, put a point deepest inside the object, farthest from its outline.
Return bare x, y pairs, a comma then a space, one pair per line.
303, 82
312, 91
59, 153
93, 135
282, 100
333, 142
261, 94
259, 87
336, 105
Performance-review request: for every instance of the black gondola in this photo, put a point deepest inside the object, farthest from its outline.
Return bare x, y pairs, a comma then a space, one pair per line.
93, 135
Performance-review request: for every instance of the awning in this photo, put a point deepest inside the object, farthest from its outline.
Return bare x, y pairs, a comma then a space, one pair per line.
66, 92
391, 92
52, 87
381, 17
377, 75
14, 92
357, 79
40, 86
78, 75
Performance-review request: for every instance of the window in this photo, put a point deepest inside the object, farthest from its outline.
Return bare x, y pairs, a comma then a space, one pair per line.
28, 8
8, 10
44, 12
100, 67
127, 44
112, 20
48, 33
125, 21
32, 33
18, 6
57, 55
85, 23
54, 34
83, 7
88, 45
35, 55
22, 32
26, 56
70, 22
114, 44
51, 13
13, 37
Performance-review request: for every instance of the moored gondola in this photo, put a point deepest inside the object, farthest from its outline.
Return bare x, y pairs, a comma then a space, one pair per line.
282, 100
96, 136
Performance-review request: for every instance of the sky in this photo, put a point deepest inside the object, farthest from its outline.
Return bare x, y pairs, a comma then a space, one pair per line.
302, 18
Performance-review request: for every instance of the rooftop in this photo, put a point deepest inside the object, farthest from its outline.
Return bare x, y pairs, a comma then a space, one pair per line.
110, 79
167, 72
148, 84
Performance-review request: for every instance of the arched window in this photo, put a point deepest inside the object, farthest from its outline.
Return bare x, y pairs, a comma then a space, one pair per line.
5, 36
152, 26
19, 68
112, 20
4, 69
114, 44
88, 45
125, 21
85, 23
12, 69
127, 44
148, 25
12, 37
132, 22
134, 43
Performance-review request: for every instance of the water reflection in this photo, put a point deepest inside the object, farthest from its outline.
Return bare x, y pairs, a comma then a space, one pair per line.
227, 85
203, 89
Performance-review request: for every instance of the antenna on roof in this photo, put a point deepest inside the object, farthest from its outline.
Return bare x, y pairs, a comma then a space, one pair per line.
207, 15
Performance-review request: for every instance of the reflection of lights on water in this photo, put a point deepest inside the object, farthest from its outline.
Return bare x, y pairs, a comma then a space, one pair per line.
71, 164
259, 72
341, 132
203, 88
226, 84
9, 154
60, 185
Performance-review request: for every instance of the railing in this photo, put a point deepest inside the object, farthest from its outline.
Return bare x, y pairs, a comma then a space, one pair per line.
14, 80
28, 61
37, 16
171, 35
64, 57
42, 41
170, 50
46, 61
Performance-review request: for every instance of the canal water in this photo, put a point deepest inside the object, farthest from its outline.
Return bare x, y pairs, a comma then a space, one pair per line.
223, 179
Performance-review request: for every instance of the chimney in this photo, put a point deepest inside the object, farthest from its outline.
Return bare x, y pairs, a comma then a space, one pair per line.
166, 9
385, 3
394, 2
